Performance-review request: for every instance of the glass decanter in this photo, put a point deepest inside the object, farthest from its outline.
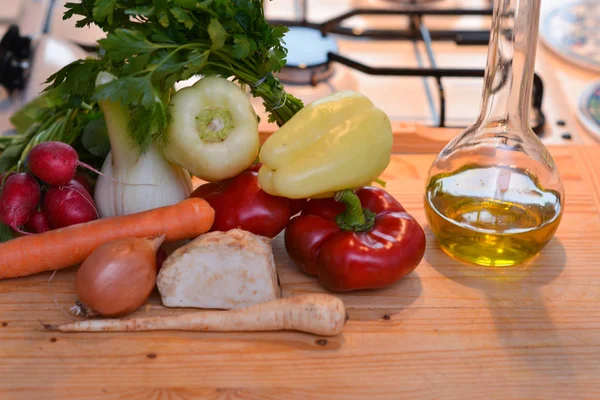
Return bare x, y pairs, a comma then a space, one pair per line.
494, 196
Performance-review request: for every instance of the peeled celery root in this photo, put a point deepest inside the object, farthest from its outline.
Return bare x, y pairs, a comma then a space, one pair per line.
220, 270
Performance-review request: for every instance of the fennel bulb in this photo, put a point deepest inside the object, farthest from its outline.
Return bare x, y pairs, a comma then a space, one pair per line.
134, 182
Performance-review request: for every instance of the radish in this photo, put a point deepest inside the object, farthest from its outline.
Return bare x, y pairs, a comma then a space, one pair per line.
4, 176
19, 198
55, 163
82, 178
38, 223
69, 205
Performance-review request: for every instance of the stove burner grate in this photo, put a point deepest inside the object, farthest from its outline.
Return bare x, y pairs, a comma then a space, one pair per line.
314, 63
308, 60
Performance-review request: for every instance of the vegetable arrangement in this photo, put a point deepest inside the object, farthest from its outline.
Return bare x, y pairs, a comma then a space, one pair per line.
125, 96
149, 46
62, 248
120, 113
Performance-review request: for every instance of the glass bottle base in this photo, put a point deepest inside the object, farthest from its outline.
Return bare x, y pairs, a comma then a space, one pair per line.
482, 225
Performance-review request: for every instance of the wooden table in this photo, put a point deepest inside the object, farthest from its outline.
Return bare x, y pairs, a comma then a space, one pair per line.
447, 331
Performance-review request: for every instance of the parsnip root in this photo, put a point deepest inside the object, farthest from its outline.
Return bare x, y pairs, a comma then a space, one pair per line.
319, 314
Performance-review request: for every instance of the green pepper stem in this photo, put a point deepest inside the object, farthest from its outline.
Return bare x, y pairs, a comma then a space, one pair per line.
381, 182
355, 218
214, 124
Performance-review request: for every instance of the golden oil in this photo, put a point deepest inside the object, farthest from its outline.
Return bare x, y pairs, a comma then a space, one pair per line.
491, 216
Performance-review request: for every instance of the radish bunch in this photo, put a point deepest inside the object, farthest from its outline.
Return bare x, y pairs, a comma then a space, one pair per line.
59, 197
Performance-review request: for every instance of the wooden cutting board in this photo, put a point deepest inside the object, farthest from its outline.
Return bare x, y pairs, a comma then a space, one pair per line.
448, 330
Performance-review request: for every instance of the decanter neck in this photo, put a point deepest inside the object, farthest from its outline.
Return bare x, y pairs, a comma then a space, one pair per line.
511, 64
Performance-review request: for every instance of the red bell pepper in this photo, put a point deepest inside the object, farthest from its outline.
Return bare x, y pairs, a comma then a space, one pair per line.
239, 202
357, 240
296, 205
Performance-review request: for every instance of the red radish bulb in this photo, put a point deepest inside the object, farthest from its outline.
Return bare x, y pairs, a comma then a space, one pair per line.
55, 163
82, 178
4, 176
69, 205
38, 223
19, 198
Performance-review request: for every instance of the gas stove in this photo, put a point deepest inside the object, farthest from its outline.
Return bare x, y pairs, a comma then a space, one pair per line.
421, 61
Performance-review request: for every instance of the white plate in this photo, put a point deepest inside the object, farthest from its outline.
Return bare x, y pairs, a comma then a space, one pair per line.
572, 31
589, 109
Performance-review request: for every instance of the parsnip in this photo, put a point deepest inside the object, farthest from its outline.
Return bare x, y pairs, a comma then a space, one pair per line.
223, 270
320, 314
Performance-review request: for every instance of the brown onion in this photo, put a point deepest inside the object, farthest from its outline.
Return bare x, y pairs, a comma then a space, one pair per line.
118, 277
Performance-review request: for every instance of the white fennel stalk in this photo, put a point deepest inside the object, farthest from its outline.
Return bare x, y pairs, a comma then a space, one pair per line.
134, 182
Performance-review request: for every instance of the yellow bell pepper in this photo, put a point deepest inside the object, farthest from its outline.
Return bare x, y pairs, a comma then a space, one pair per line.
341, 141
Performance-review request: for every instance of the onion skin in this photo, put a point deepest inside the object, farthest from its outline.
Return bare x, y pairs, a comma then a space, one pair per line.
118, 277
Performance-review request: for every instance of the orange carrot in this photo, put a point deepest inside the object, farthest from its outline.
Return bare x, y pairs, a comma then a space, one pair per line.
61, 248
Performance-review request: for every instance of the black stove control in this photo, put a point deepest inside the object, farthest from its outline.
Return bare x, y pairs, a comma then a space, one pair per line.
15, 52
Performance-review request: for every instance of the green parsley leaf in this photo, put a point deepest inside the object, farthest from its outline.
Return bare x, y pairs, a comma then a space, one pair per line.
188, 4
198, 59
24, 118
83, 9
165, 63
278, 32
124, 43
76, 81
129, 90
275, 61
197, 62
136, 63
144, 11
203, 6
217, 34
163, 19
243, 46
104, 10
149, 123
183, 17
95, 138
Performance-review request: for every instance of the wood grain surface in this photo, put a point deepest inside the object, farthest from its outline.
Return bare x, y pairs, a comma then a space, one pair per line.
447, 331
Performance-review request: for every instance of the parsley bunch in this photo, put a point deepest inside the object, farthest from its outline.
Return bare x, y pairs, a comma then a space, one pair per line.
150, 45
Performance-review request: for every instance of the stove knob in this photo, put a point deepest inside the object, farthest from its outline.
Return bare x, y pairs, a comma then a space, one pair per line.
15, 51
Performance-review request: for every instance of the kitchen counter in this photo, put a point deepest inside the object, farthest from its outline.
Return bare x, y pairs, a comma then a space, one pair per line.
448, 330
